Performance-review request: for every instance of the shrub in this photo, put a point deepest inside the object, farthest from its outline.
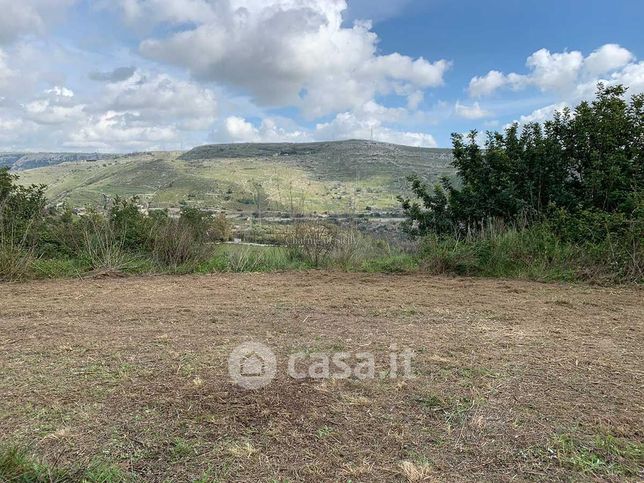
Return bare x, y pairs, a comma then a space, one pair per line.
221, 229
312, 242
21, 215
351, 248
177, 242
15, 263
103, 248
128, 223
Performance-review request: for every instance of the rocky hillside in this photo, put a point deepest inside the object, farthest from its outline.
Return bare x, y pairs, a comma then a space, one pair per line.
331, 177
22, 161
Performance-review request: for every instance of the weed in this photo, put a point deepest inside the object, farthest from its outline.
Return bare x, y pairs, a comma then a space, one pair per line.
602, 455
17, 465
324, 432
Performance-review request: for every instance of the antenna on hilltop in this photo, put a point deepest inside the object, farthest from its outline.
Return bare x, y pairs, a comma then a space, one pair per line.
371, 133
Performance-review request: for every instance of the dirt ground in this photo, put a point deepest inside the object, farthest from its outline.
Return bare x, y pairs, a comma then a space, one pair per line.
513, 380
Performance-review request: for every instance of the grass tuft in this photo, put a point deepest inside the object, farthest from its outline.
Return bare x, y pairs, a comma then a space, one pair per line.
603, 455
18, 466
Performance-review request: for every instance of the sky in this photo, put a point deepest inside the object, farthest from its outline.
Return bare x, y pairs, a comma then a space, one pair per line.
133, 75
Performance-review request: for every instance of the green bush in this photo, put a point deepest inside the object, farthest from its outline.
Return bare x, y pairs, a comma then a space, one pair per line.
535, 252
313, 243
562, 200
173, 243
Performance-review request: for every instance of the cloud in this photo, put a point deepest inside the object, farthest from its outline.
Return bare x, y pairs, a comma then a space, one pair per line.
146, 111
348, 125
238, 129
117, 75
414, 99
110, 129
470, 112
160, 98
561, 73
607, 58
169, 11
632, 76
56, 106
282, 52
543, 114
6, 74
363, 123
487, 84
23, 17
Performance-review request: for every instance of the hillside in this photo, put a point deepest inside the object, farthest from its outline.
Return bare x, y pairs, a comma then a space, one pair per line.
334, 160
335, 177
22, 161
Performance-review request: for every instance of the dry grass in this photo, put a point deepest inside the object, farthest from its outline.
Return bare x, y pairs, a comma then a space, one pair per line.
134, 370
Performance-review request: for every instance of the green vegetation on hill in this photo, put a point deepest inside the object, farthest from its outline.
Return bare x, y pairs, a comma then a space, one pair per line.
340, 160
20, 161
333, 177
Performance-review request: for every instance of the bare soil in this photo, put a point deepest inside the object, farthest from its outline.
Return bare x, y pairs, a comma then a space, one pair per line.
514, 380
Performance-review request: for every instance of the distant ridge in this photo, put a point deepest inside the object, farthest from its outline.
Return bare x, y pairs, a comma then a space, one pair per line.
21, 161
335, 160
325, 177
243, 150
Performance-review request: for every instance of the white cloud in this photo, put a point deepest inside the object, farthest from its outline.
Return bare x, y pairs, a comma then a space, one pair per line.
607, 58
487, 84
561, 73
348, 125
45, 112
55, 106
117, 129
60, 92
6, 74
238, 129
283, 52
22, 17
370, 119
159, 98
470, 112
146, 111
632, 76
543, 114
556, 71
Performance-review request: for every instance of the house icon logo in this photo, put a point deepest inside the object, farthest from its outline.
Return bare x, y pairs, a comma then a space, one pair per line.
252, 365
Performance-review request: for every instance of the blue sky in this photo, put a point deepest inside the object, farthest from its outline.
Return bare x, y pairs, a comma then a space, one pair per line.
127, 75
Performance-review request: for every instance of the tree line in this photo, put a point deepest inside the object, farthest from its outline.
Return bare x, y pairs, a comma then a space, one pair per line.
584, 165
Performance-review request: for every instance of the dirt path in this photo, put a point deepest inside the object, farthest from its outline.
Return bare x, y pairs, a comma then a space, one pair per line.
513, 379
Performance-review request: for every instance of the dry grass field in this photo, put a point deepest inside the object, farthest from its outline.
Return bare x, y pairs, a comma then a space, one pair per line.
514, 380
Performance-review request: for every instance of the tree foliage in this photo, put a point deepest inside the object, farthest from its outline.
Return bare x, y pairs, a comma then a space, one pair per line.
586, 163
21, 210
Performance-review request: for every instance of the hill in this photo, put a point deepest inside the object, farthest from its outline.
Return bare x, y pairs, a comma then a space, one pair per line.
334, 177
335, 160
21, 161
